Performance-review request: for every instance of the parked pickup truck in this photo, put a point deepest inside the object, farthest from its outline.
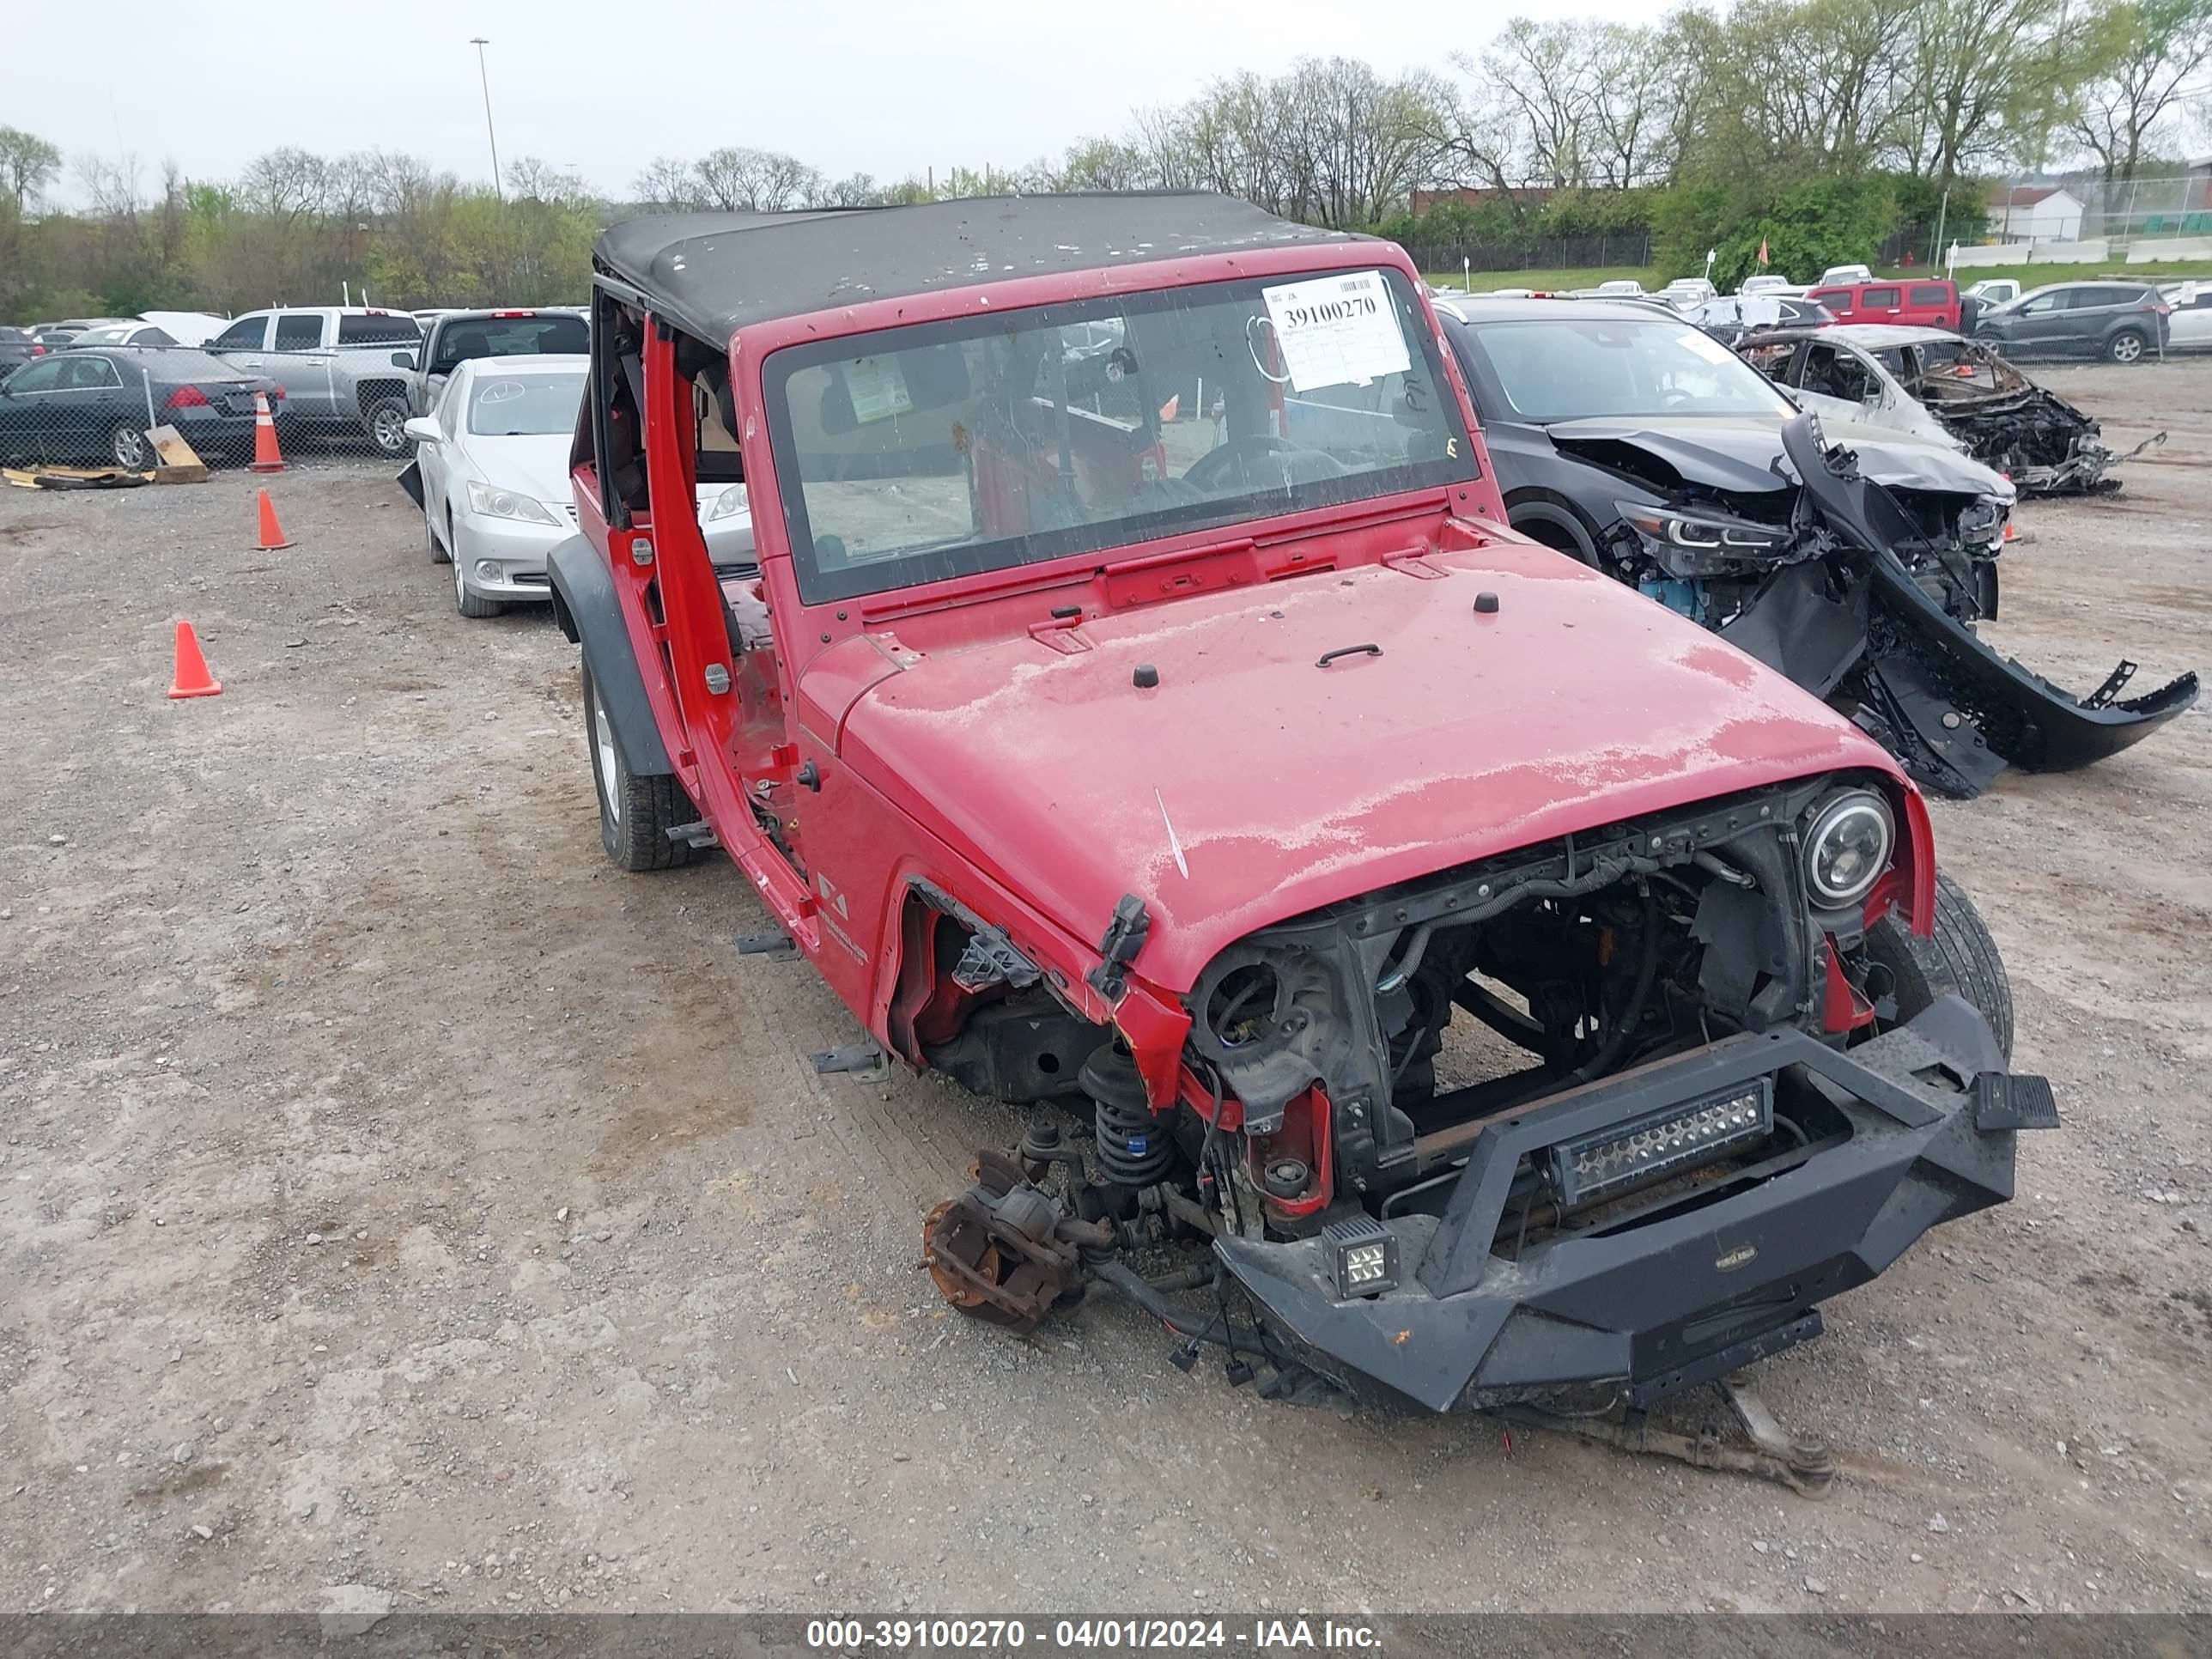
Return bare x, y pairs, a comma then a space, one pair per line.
454, 337
335, 364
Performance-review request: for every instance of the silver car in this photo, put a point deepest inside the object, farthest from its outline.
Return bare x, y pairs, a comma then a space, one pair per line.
493, 463
2191, 325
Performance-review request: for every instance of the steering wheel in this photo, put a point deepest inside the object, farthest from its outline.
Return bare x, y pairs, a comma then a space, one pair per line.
1206, 471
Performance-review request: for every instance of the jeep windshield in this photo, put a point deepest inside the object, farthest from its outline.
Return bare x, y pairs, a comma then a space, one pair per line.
1574, 368
937, 450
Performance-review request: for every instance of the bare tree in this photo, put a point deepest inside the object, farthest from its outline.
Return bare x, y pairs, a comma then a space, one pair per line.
113, 186
853, 189
668, 184
2152, 49
1986, 79
1104, 164
755, 181
1544, 70
288, 185
1636, 80
532, 179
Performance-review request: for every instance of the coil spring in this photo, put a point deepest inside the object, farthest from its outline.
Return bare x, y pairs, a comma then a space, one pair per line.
1135, 1147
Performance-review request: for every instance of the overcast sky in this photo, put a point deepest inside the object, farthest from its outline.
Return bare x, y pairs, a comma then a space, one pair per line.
870, 86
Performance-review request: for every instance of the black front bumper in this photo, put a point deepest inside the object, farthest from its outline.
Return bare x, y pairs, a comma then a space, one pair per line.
1692, 1285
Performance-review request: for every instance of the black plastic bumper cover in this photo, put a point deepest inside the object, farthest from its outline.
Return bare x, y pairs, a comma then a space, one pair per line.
2057, 730
1705, 1286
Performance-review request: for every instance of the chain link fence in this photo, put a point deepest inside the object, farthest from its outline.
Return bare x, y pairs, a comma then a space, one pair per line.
2085, 218
1614, 250
91, 398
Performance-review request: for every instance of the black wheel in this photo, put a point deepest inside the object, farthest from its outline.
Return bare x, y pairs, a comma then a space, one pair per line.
1959, 957
129, 446
635, 814
1551, 526
2126, 347
385, 419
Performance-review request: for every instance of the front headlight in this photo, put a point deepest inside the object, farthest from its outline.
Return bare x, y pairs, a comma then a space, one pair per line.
1847, 848
493, 503
728, 504
1982, 524
1705, 532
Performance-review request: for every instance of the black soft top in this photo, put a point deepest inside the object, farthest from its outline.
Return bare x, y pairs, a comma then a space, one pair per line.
715, 273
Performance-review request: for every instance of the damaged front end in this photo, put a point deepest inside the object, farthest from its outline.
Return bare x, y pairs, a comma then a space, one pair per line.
1867, 596
2043, 444
1580, 1126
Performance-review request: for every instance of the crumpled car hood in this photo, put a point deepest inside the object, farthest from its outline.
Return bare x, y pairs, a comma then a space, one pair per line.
1736, 453
1252, 785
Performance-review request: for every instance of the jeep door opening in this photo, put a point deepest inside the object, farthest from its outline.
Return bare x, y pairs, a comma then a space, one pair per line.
1425, 964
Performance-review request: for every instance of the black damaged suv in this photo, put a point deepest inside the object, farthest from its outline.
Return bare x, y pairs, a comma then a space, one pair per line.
1856, 559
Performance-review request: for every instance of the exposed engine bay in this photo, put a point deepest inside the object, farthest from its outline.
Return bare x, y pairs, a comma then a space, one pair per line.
1431, 1093
1912, 377
1867, 595
2035, 437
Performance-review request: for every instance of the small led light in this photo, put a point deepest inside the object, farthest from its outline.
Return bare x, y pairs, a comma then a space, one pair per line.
1362, 1256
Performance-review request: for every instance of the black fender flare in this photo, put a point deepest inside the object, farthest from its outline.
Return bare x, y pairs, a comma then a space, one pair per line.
1533, 507
585, 607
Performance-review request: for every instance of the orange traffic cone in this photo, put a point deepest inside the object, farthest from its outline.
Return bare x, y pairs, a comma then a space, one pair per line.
272, 533
193, 678
265, 457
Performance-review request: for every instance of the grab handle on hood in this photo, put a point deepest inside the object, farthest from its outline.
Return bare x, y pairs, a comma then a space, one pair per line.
1328, 657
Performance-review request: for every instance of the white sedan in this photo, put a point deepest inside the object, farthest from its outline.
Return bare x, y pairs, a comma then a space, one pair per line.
494, 459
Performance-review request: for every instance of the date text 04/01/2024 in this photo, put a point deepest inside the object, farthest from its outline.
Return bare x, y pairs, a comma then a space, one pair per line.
1083, 1635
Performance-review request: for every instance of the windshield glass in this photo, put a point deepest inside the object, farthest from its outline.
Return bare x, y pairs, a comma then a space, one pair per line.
1577, 368
552, 333
526, 406
920, 453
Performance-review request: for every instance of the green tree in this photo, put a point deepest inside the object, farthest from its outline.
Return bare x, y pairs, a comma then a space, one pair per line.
28, 165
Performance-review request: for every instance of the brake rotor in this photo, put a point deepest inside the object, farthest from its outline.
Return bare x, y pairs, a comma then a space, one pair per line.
992, 1254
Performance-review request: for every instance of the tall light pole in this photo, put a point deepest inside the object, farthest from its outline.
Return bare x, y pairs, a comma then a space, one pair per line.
484, 75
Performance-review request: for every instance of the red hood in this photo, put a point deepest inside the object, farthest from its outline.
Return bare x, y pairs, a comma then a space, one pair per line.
1578, 702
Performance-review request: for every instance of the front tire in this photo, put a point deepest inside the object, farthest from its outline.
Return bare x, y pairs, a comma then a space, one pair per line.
635, 813
1960, 957
472, 606
432, 544
2126, 347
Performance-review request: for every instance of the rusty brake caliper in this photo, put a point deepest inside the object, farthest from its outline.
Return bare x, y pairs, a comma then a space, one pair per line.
996, 1251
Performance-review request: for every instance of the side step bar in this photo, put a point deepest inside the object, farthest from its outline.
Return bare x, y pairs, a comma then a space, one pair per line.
862, 1061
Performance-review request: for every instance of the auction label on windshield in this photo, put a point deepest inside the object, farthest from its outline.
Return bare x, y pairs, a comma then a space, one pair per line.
878, 389
1341, 329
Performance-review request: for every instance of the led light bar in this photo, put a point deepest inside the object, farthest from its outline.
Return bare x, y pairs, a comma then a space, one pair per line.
1629, 1154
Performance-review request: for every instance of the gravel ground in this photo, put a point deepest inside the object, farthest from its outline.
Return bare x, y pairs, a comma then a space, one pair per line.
404, 1209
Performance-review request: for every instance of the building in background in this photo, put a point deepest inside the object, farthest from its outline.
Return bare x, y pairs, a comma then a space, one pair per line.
2035, 213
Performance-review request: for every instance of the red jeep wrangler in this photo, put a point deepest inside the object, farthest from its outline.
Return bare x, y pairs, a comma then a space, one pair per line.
1139, 714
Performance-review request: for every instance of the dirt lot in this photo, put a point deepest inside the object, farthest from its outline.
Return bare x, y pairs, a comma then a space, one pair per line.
404, 1208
